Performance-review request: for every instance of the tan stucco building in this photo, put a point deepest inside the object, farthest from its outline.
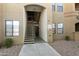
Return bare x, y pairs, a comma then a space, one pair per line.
56, 20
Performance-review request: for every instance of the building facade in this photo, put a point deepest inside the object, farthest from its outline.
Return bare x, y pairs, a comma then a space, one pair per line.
57, 20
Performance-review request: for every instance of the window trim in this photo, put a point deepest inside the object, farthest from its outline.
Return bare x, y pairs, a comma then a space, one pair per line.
54, 29
19, 29
12, 28
53, 6
59, 6
60, 28
6, 28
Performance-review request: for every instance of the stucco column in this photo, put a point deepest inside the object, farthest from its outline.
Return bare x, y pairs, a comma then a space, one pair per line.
49, 14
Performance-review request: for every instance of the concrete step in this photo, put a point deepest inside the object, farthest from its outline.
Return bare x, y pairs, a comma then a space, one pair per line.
28, 42
30, 33
29, 37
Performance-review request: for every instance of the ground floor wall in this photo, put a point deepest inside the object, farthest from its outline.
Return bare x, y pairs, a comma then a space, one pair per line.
12, 12
1, 25
68, 26
43, 25
17, 12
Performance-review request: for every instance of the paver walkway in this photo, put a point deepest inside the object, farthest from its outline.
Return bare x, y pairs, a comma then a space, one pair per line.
38, 49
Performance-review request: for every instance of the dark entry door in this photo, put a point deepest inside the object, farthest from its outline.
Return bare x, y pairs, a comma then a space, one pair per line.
32, 29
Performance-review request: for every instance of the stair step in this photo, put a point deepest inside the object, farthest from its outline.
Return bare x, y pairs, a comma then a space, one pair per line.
28, 42
30, 33
29, 38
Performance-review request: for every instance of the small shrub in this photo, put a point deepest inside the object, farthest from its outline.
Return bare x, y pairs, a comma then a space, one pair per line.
67, 38
1, 45
8, 42
78, 46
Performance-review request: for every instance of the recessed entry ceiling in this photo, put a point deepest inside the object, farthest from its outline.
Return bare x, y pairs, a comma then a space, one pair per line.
37, 8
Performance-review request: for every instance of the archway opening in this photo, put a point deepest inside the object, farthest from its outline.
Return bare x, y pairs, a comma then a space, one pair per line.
34, 17
77, 27
33, 14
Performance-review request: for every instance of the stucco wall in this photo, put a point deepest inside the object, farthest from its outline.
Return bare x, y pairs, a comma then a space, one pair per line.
17, 12
14, 12
68, 18
43, 25
69, 22
50, 21
58, 17
1, 24
76, 36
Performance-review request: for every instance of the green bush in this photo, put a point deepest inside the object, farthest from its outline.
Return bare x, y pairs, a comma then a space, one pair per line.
1, 44
67, 38
8, 42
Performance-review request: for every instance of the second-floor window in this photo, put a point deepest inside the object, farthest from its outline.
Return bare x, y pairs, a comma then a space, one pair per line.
59, 7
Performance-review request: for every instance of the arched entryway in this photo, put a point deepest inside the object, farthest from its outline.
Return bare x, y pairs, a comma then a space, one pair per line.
33, 14
76, 33
77, 27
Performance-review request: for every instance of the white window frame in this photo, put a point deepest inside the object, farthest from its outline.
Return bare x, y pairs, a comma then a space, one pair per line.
16, 24
12, 28
60, 5
53, 7
60, 30
6, 27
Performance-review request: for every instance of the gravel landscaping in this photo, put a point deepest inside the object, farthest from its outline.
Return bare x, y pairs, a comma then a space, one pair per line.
66, 48
12, 51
